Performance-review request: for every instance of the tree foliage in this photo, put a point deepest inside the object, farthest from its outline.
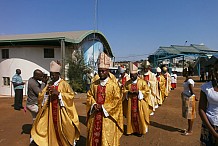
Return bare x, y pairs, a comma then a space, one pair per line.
76, 71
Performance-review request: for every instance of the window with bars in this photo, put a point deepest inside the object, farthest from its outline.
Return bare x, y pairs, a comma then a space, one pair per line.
5, 53
6, 81
48, 52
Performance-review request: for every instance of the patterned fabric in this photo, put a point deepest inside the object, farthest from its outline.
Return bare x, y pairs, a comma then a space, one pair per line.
97, 129
112, 126
55, 117
133, 87
134, 109
141, 107
43, 131
188, 107
207, 138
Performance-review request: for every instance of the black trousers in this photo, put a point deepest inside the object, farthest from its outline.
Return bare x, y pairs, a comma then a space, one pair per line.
18, 99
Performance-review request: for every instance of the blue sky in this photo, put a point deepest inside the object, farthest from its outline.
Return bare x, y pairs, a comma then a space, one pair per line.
133, 28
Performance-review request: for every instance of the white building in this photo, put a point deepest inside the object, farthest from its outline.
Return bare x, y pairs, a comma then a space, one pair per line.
35, 51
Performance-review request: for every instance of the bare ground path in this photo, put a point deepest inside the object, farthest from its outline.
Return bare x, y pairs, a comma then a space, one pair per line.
164, 130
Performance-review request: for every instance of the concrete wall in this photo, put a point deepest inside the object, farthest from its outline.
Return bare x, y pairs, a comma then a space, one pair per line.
26, 59
30, 58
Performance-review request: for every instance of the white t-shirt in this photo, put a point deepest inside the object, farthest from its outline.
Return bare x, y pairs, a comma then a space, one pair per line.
186, 84
212, 98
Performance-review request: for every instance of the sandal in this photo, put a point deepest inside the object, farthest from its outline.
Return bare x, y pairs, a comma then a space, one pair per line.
182, 130
187, 133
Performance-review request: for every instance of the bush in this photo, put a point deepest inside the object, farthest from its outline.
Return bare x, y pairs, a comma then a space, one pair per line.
76, 71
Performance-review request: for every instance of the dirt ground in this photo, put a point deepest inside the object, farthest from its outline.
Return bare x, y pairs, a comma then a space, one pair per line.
164, 130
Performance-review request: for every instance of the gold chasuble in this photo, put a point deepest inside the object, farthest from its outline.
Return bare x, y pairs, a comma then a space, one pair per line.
162, 88
121, 82
112, 77
167, 84
137, 109
151, 80
104, 130
56, 125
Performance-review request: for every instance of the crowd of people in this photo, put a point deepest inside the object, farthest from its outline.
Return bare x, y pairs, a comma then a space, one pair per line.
132, 96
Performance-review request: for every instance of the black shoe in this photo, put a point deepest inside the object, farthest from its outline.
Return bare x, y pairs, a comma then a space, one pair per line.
33, 144
22, 107
17, 109
137, 134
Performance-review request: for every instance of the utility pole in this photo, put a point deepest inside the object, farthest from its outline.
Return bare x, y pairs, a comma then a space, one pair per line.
95, 29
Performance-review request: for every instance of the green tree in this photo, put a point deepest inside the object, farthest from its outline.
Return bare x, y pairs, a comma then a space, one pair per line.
76, 71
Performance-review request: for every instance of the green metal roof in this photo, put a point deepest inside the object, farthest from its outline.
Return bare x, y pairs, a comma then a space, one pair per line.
177, 51
202, 48
186, 49
74, 37
170, 50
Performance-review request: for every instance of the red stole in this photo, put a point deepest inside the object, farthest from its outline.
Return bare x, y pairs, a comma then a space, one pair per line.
123, 81
134, 109
158, 78
55, 117
146, 77
97, 129
166, 77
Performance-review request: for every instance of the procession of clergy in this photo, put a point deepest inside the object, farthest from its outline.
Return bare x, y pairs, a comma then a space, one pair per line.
109, 100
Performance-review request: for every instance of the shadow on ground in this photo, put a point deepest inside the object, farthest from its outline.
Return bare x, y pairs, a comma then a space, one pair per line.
165, 127
82, 119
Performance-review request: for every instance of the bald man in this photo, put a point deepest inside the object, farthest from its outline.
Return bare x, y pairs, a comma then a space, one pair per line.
34, 87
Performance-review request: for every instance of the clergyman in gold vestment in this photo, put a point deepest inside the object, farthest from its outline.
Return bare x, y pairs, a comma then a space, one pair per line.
137, 93
57, 123
151, 80
104, 108
167, 77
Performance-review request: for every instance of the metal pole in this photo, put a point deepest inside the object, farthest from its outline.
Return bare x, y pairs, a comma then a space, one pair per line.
95, 29
183, 62
11, 88
94, 53
96, 15
63, 57
199, 67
